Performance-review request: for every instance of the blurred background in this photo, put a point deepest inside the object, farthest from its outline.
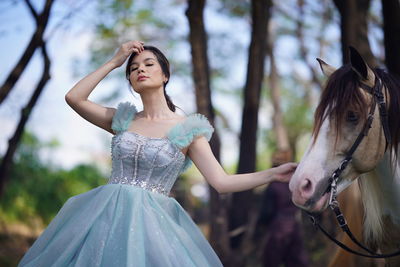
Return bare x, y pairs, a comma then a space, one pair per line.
249, 66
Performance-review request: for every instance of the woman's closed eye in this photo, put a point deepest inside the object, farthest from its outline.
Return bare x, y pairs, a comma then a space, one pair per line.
147, 65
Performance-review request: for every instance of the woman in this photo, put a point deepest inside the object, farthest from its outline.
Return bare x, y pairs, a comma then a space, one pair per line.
131, 221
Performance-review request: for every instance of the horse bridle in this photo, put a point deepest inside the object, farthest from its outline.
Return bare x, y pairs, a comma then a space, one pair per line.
378, 98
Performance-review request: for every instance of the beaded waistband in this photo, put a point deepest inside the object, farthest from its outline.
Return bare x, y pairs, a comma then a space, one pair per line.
155, 188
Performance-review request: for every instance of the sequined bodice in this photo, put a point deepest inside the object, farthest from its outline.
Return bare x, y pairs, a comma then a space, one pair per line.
151, 163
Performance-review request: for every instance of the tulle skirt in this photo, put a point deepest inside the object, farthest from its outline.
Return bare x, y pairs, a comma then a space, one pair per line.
121, 225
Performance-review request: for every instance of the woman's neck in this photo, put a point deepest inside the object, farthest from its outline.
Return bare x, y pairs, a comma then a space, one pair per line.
155, 105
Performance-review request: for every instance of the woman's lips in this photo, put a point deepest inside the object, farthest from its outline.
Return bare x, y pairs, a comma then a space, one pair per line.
141, 78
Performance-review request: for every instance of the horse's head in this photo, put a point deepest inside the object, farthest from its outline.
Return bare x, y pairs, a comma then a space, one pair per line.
340, 117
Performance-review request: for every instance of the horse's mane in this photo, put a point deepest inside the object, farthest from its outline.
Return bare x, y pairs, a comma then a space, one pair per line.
340, 94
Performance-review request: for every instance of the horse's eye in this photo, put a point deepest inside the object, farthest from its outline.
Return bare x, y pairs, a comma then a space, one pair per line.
352, 117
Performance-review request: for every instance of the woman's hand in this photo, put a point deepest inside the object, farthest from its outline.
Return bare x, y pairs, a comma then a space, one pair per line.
125, 51
284, 172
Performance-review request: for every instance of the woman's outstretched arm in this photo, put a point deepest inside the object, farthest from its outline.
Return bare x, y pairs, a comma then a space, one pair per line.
201, 155
77, 97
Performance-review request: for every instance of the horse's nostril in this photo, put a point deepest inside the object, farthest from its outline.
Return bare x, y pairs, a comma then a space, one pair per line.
306, 187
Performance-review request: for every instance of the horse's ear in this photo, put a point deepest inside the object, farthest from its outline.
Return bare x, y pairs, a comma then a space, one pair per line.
360, 67
326, 68
358, 64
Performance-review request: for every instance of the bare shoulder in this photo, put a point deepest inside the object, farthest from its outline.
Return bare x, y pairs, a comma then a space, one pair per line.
180, 117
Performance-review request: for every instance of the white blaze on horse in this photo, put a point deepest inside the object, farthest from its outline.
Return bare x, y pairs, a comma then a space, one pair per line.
348, 99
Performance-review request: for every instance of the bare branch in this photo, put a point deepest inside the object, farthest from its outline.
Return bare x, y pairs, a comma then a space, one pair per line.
303, 48
67, 17
7, 162
32, 10
35, 42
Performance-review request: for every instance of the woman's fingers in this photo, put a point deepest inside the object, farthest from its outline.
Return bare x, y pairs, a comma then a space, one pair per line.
292, 165
125, 50
134, 50
136, 44
285, 171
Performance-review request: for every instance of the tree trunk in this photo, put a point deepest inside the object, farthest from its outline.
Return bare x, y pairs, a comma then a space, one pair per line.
201, 75
7, 161
35, 42
354, 28
391, 31
243, 201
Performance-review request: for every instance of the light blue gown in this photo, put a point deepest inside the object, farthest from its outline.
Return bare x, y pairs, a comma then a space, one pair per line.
131, 220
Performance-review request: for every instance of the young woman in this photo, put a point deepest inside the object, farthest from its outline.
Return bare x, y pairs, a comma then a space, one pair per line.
131, 220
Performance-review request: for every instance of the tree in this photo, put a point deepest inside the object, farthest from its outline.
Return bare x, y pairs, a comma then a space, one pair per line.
354, 28
7, 161
201, 75
241, 201
391, 31
35, 42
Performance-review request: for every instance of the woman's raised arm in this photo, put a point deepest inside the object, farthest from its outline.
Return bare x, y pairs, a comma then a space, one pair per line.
77, 97
200, 153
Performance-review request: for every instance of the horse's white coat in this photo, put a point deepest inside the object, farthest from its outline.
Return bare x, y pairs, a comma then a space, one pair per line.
312, 164
381, 196
389, 174
315, 166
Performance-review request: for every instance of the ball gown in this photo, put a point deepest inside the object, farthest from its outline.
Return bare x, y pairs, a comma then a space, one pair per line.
130, 221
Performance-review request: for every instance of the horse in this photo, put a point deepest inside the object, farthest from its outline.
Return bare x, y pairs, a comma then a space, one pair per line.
356, 131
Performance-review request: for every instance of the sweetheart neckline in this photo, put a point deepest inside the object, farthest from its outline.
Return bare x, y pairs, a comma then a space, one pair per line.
148, 137
153, 138
156, 138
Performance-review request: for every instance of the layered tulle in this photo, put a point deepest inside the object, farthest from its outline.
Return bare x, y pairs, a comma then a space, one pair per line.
121, 225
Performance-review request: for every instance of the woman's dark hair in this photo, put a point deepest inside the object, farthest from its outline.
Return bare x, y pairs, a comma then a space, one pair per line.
163, 61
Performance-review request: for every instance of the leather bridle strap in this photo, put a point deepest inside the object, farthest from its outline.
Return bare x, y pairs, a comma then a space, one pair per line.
343, 246
377, 93
349, 155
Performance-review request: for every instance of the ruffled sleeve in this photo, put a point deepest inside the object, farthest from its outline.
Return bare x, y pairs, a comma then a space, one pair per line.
123, 116
183, 134
194, 125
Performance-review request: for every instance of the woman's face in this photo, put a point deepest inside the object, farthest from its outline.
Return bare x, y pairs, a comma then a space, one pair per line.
146, 72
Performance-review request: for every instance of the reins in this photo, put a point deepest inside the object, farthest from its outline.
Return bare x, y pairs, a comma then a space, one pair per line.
379, 99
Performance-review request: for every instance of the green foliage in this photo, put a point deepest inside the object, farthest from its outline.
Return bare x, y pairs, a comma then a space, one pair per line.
123, 20
236, 8
298, 117
37, 191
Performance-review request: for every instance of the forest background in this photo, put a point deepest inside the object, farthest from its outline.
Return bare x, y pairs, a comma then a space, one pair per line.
249, 66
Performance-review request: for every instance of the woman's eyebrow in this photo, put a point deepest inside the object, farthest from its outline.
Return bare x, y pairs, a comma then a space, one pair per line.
149, 58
